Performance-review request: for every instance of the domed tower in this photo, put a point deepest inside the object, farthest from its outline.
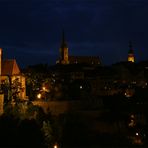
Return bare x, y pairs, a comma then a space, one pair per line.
131, 57
64, 51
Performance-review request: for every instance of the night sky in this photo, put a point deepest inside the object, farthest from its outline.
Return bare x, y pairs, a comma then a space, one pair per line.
31, 30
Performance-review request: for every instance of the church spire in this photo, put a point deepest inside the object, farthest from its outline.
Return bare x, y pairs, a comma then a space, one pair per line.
63, 44
131, 48
64, 50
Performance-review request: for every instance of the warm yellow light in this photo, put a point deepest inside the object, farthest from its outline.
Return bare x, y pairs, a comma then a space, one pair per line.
0, 51
44, 88
55, 146
131, 59
39, 96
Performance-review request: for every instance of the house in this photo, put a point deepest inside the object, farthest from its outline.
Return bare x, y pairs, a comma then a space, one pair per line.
11, 77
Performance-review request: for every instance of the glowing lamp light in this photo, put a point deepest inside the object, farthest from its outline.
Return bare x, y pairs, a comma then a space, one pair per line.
81, 87
55, 146
44, 88
39, 96
137, 134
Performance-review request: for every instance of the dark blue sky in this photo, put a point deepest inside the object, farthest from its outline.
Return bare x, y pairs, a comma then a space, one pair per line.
31, 30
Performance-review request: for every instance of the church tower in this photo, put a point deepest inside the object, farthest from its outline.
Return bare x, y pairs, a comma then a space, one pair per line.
131, 57
64, 51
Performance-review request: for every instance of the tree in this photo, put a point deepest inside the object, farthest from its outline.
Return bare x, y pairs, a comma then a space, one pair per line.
48, 133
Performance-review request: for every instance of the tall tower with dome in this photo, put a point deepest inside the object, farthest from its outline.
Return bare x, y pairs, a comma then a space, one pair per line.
131, 57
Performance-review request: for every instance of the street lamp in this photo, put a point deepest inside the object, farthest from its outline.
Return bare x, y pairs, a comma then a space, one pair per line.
55, 146
39, 96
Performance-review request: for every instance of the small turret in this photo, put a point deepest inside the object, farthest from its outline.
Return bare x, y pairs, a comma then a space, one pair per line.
131, 57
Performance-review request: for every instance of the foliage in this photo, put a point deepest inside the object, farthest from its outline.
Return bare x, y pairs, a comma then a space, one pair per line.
26, 115
24, 133
11, 89
48, 133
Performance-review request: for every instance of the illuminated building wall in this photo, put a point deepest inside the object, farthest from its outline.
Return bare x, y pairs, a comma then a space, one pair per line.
64, 55
10, 72
131, 58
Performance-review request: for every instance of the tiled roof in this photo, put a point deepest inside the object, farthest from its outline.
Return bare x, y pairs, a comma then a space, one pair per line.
84, 59
10, 67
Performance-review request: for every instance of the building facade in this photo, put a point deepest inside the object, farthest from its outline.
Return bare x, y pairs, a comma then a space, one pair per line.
12, 77
65, 58
63, 52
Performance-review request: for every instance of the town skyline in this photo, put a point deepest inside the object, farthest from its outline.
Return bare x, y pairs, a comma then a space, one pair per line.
102, 28
103, 60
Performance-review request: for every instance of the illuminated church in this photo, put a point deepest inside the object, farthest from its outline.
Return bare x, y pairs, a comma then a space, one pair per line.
10, 74
66, 59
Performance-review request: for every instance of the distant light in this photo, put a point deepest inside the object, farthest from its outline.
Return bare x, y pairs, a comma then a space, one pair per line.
137, 134
44, 88
39, 96
134, 82
132, 116
105, 87
132, 123
55, 146
81, 87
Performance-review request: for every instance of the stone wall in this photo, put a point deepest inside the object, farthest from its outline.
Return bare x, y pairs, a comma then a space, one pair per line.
58, 107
